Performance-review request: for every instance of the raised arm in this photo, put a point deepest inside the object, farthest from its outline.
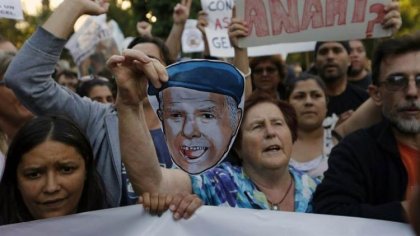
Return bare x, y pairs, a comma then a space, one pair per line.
180, 16
366, 115
202, 23
61, 22
132, 71
29, 75
392, 19
238, 29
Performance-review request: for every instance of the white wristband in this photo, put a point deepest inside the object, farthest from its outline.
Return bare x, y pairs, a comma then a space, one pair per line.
247, 74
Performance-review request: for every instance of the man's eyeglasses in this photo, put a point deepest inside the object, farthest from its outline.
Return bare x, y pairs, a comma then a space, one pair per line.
260, 71
398, 82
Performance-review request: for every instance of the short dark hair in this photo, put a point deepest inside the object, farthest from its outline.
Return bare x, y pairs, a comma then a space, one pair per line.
278, 63
164, 50
305, 77
32, 134
66, 73
345, 44
393, 47
85, 87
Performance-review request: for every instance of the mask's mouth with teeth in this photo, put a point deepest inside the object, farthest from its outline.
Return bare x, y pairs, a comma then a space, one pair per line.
272, 148
193, 152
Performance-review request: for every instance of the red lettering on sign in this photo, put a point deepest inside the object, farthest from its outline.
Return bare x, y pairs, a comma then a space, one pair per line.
359, 11
280, 17
379, 9
312, 12
256, 16
335, 8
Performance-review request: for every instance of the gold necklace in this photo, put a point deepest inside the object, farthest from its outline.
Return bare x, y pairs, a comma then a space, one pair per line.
275, 206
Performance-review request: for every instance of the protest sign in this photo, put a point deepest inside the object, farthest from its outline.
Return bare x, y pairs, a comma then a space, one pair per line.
219, 16
92, 44
134, 221
11, 9
192, 38
283, 49
219, 13
280, 21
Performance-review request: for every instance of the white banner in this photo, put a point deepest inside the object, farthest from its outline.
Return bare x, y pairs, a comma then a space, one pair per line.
134, 221
282, 21
11, 9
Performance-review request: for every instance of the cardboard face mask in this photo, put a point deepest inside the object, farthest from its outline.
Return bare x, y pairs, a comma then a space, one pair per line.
200, 108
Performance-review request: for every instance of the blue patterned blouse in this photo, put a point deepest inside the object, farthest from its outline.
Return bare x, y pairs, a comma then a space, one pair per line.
228, 185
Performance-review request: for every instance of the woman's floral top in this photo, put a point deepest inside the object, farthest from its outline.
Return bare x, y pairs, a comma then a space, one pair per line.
228, 185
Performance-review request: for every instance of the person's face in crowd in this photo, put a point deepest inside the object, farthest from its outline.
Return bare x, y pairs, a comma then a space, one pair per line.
69, 82
297, 69
358, 57
101, 93
400, 100
265, 76
198, 127
332, 62
310, 103
7, 47
266, 140
10, 107
50, 179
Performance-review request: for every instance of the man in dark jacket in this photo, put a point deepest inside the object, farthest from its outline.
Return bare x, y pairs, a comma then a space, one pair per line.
373, 171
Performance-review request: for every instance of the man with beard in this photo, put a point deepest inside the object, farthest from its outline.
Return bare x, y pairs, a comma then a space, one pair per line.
332, 62
358, 73
373, 171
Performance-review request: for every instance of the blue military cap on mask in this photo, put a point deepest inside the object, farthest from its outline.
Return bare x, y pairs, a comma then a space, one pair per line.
204, 75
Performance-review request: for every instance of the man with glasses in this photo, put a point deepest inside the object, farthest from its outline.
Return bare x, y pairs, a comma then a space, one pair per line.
373, 171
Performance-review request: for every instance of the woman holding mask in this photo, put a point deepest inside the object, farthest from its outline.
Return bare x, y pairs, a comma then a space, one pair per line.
263, 180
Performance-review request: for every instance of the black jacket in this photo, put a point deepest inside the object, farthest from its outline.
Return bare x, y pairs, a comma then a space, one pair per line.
366, 177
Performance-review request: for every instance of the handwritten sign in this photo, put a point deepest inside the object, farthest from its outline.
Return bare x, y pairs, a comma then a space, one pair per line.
277, 21
92, 44
219, 14
11, 9
192, 38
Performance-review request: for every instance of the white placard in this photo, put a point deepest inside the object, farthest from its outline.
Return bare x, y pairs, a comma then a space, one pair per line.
281, 21
11, 9
192, 38
82, 43
219, 14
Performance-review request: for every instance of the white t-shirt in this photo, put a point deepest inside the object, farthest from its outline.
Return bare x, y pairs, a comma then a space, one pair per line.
317, 166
